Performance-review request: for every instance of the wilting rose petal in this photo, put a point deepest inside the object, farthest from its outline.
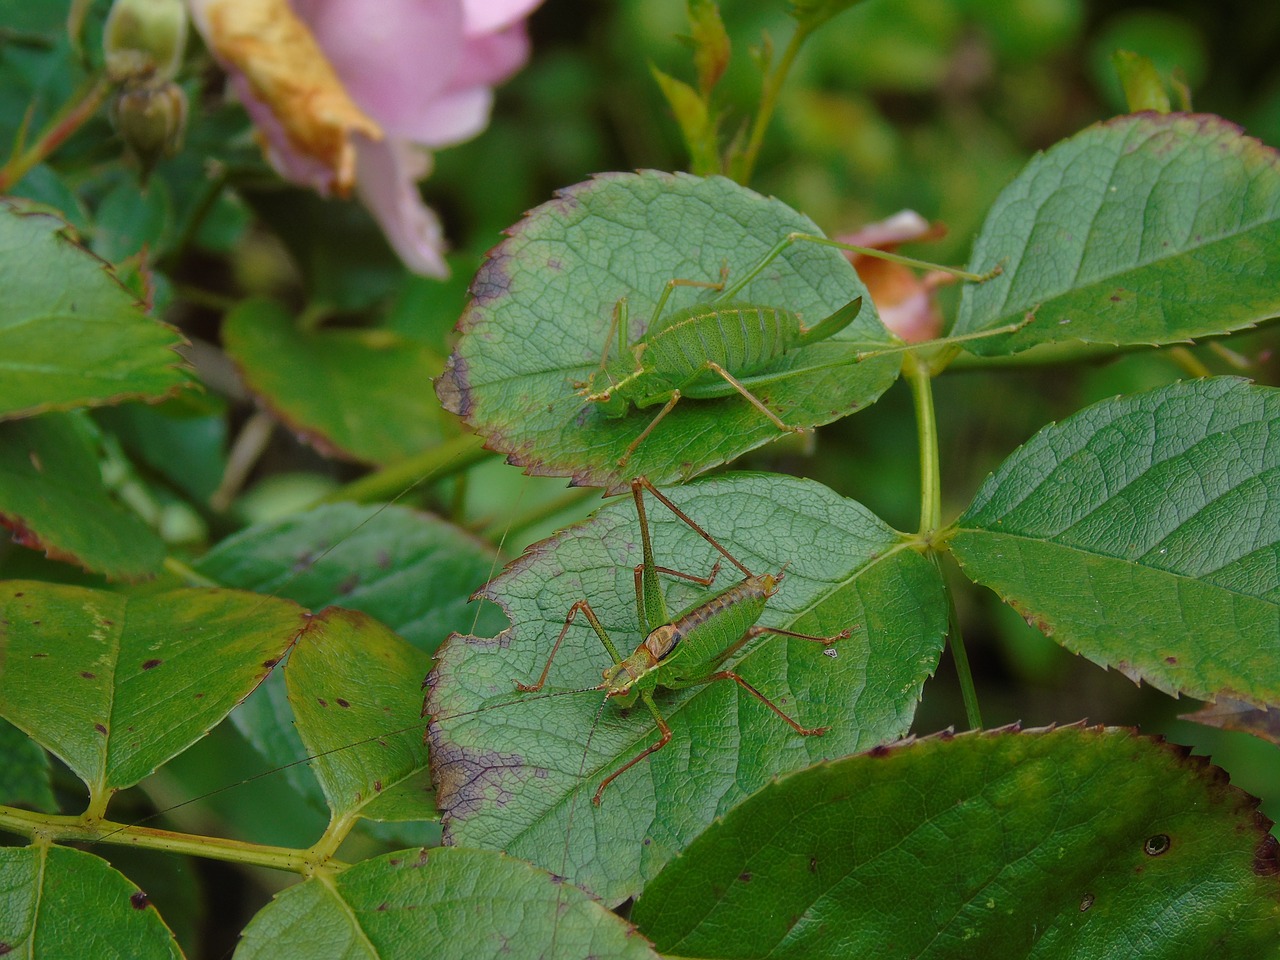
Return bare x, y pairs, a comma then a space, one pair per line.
326, 80
289, 88
388, 186
486, 16
904, 301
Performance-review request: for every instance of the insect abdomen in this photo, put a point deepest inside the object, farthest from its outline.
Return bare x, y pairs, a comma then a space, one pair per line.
707, 628
742, 338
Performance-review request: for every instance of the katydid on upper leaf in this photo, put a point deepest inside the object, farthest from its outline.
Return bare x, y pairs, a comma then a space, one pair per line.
701, 351
686, 650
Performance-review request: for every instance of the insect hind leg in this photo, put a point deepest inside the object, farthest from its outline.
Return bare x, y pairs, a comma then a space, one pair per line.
751, 398
738, 679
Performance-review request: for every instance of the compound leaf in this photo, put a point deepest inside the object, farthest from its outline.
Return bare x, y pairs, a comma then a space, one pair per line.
1144, 533
438, 903
114, 686
1146, 229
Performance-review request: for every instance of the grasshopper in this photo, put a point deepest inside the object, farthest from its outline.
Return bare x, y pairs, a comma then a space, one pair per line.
686, 650
703, 350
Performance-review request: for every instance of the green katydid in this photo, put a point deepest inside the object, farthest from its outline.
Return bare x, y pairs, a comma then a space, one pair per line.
701, 351
686, 650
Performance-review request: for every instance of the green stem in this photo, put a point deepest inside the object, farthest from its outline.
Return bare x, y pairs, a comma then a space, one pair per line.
918, 378
968, 691
69, 119
393, 482
744, 164
63, 829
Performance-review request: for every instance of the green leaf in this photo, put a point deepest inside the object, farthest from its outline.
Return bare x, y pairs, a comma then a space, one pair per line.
356, 714
412, 571
1144, 533
114, 686
376, 405
510, 769
441, 904
52, 497
542, 306
57, 902
1047, 844
71, 335
1146, 229
129, 221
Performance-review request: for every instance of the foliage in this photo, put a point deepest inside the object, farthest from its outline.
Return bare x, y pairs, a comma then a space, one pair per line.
1129, 511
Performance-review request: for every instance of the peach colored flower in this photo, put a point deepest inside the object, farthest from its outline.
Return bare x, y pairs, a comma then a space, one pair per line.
351, 94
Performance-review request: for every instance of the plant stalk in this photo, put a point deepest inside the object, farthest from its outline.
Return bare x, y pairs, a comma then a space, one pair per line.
53, 828
919, 379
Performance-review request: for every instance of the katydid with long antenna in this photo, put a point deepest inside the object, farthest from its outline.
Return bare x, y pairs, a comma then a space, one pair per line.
701, 351
689, 649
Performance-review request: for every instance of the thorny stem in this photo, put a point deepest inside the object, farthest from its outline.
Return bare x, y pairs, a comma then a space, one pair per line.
47, 827
69, 119
744, 164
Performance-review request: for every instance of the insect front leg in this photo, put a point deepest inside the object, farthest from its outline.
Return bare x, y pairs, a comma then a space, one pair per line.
583, 607
644, 434
663, 740
618, 327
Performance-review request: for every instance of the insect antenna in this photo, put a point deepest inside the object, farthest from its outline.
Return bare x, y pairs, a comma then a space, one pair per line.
568, 825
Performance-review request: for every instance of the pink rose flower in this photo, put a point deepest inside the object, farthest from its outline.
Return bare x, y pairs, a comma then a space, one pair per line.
350, 94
